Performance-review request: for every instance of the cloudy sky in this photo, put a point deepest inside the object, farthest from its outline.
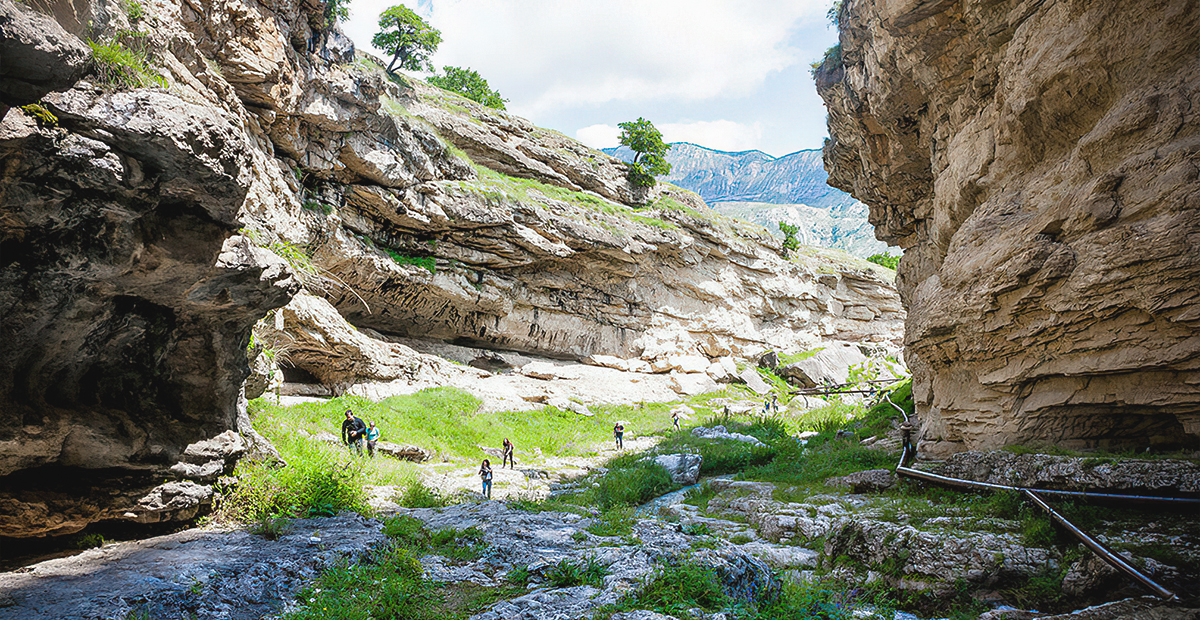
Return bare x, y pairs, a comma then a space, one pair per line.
730, 75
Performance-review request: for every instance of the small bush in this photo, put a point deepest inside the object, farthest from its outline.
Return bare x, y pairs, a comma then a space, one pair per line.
676, 588
117, 66
316, 482
270, 527
519, 575
406, 531
885, 260
458, 544
696, 529
632, 485
567, 573
417, 495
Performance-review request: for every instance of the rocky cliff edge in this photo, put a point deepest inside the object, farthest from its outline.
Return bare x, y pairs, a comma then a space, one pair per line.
1038, 161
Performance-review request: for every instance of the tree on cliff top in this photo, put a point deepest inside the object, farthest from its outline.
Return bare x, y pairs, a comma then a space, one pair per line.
650, 159
468, 83
408, 38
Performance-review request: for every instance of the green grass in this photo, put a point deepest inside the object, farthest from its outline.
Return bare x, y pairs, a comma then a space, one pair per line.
427, 263
676, 587
568, 573
317, 481
616, 521
496, 187
120, 67
444, 421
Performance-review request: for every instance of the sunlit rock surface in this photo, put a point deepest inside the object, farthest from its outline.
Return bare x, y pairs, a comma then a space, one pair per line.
1038, 161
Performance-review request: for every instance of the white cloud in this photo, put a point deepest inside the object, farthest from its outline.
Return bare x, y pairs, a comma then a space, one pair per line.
599, 136
574, 63
547, 54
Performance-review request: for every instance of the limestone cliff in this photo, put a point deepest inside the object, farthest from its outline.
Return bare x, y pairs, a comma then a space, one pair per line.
151, 218
1038, 161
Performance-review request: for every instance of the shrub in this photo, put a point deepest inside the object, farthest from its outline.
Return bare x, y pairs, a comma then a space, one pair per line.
417, 495
519, 575
117, 66
678, 587
885, 260
632, 485
585, 572
270, 527
317, 481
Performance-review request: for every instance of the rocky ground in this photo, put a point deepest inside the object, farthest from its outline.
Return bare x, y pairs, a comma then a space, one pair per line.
756, 534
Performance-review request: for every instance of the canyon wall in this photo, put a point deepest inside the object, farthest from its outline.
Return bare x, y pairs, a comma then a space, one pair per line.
151, 213
1038, 161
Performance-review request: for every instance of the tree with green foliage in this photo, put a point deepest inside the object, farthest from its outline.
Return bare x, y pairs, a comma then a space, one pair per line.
468, 83
335, 11
886, 260
408, 38
790, 242
650, 151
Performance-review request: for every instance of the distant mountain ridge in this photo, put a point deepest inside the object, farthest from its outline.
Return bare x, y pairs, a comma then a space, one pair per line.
750, 176
765, 190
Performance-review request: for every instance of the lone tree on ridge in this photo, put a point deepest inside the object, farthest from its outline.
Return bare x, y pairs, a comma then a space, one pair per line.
647, 143
410, 39
468, 83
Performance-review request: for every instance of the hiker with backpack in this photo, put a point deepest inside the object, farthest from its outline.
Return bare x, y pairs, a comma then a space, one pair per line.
353, 430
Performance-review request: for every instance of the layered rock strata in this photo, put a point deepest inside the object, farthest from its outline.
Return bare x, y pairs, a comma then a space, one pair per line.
1039, 162
126, 298
153, 211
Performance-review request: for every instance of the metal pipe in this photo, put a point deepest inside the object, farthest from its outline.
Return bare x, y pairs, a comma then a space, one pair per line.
908, 450
1099, 549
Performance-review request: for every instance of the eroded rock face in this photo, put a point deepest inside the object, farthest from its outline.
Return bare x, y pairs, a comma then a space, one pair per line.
126, 302
1040, 164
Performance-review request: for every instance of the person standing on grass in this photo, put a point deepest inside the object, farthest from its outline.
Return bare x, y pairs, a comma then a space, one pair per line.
485, 476
372, 437
353, 430
509, 453
774, 403
619, 434
675, 418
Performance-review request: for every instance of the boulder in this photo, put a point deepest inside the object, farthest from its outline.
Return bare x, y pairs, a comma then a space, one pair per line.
769, 360
830, 365
866, 481
404, 452
39, 56
719, 433
691, 384
754, 381
723, 370
683, 467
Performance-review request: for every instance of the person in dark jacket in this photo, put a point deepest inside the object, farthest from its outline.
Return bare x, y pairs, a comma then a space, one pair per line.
508, 453
353, 430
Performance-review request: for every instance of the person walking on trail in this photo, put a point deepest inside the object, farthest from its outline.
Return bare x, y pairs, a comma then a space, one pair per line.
775, 403
675, 418
509, 453
353, 430
485, 476
619, 434
372, 437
